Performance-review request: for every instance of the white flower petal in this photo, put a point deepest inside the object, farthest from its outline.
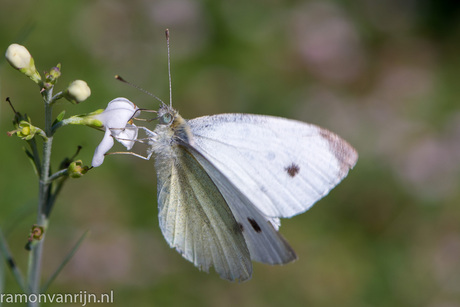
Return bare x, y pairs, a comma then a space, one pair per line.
102, 148
115, 120
117, 114
120, 103
128, 136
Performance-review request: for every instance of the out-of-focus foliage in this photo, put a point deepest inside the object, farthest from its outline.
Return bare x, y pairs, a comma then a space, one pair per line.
382, 74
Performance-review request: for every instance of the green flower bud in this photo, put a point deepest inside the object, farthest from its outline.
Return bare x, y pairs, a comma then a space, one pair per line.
76, 169
89, 119
55, 72
77, 91
52, 76
19, 58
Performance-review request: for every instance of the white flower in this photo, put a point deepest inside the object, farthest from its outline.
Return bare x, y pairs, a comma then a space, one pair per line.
128, 136
102, 148
115, 121
19, 57
77, 91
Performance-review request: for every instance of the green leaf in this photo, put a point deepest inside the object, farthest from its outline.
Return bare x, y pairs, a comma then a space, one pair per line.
64, 262
32, 160
59, 118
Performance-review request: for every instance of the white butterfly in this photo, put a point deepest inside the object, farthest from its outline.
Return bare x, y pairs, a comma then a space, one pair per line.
225, 180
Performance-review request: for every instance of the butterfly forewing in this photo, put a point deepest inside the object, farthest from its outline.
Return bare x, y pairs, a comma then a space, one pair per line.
196, 220
282, 166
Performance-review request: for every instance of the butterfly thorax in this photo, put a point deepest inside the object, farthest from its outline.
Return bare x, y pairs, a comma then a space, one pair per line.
168, 146
170, 135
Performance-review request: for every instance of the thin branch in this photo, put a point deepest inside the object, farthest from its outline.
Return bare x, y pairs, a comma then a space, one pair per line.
62, 172
56, 98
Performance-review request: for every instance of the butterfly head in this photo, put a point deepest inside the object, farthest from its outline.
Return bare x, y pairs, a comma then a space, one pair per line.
166, 115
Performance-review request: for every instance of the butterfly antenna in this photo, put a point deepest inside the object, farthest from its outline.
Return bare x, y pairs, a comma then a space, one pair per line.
139, 88
169, 68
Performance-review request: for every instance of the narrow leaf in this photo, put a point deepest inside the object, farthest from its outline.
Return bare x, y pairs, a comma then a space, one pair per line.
59, 118
64, 262
4, 249
35, 155
32, 160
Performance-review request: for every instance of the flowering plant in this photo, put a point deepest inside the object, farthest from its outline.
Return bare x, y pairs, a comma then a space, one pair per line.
115, 120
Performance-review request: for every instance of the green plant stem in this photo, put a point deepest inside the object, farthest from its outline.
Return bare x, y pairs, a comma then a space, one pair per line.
60, 173
56, 98
35, 256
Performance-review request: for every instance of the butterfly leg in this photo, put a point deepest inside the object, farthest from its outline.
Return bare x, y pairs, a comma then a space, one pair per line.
146, 119
147, 131
130, 153
147, 140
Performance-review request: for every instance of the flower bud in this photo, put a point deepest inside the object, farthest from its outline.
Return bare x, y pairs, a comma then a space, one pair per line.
52, 76
19, 58
77, 91
76, 169
55, 72
89, 119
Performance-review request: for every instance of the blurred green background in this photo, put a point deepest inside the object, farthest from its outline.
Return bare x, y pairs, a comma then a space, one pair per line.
384, 75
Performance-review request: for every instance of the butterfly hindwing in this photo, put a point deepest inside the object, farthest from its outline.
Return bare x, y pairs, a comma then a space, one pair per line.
196, 220
264, 242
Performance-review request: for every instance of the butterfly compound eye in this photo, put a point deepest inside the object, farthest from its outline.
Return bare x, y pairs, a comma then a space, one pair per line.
166, 119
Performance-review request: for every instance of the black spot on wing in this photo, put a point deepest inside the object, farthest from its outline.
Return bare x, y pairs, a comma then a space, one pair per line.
292, 169
238, 228
254, 225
